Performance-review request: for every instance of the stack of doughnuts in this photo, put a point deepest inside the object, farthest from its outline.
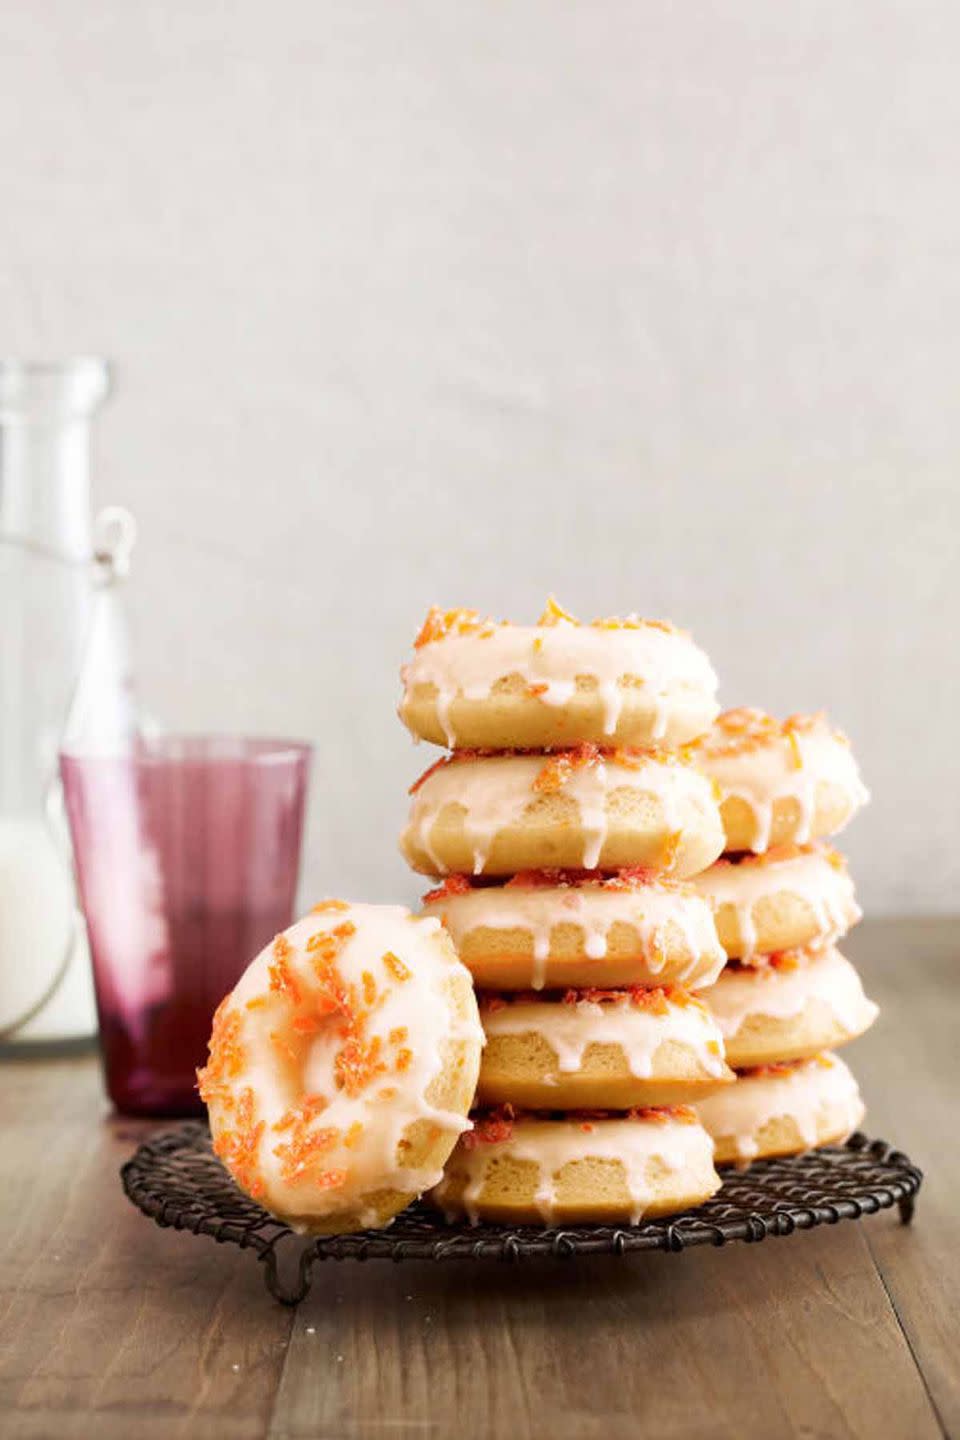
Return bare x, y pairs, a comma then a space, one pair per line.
782, 898
564, 826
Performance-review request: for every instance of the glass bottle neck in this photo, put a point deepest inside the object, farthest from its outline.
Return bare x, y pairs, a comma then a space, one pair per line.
45, 414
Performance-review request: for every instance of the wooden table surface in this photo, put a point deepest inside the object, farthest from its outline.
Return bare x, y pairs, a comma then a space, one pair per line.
111, 1327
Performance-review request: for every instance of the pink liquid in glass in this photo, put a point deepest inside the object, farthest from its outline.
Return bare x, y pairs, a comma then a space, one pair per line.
187, 854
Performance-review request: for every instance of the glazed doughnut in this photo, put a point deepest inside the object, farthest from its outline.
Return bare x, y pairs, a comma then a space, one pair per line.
799, 1003
571, 1169
575, 809
473, 682
342, 1066
599, 1049
782, 1110
781, 782
560, 928
788, 897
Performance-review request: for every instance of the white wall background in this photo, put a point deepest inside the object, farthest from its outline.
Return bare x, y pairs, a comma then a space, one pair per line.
656, 305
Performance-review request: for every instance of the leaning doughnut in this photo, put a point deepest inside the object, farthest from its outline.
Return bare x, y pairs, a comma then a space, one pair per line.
782, 1110
599, 1049
559, 928
799, 1003
572, 1169
342, 1066
781, 782
473, 682
788, 897
575, 809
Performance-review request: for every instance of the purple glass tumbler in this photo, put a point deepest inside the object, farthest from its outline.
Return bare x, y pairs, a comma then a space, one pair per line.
187, 853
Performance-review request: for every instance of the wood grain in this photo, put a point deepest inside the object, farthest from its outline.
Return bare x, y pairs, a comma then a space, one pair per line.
111, 1327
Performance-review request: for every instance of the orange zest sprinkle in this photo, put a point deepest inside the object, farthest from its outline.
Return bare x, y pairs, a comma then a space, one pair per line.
431, 770
389, 1092
554, 614
357, 1063
396, 967
282, 980
310, 1105
535, 691
257, 1003
369, 988
238, 1146
559, 767
747, 728
227, 1056
304, 1150
324, 906
404, 1060
399, 1035
306, 1024
440, 623
352, 1137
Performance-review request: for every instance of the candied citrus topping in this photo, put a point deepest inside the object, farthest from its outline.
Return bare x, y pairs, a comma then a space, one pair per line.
357, 1063
306, 1148
399, 1035
306, 1024
324, 906
554, 614
227, 1057
404, 1060
559, 767
282, 980
635, 622
238, 1146
777, 960
369, 988
396, 967
327, 944
431, 770
440, 623
453, 885
747, 728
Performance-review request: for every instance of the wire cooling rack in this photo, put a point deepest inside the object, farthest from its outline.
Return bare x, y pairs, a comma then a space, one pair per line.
177, 1180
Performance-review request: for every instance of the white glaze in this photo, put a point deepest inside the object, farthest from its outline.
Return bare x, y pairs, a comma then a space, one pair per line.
494, 792
812, 1094
808, 874
552, 1144
595, 909
766, 771
418, 1004
781, 994
659, 664
570, 1029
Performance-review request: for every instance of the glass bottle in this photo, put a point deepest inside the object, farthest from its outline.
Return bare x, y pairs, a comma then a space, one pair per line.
51, 592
